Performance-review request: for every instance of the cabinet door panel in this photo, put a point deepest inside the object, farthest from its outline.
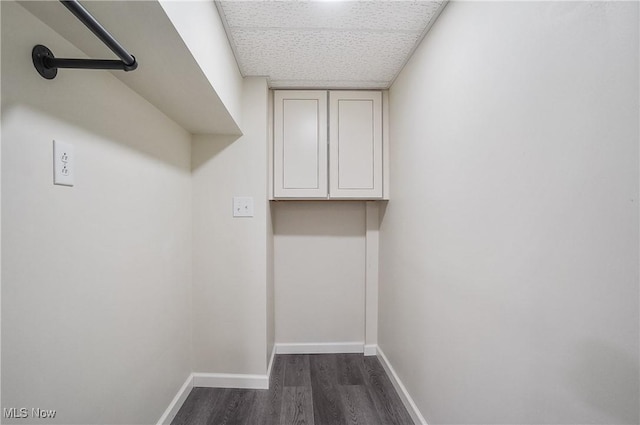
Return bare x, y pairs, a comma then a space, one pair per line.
300, 144
300, 148
356, 153
355, 145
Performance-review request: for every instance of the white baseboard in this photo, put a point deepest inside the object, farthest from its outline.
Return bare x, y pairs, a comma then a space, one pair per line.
408, 402
235, 380
319, 348
370, 350
231, 380
216, 380
177, 402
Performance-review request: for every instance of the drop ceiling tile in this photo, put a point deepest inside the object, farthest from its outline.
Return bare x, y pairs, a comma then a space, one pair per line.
322, 55
367, 15
326, 44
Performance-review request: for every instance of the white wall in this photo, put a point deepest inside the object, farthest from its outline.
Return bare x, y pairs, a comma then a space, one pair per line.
200, 26
230, 270
96, 277
509, 251
271, 308
319, 254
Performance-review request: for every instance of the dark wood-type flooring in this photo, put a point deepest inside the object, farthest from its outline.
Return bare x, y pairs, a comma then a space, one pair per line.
314, 389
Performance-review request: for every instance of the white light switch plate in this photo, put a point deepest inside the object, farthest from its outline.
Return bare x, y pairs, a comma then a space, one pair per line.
242, 206
63, 167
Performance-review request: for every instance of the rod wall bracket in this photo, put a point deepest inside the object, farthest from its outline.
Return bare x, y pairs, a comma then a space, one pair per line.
38, 55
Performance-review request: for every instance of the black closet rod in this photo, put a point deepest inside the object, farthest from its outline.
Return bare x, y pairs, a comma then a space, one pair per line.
47, 64
85, 17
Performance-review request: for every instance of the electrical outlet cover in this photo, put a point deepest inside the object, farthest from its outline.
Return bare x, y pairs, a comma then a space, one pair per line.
63, 157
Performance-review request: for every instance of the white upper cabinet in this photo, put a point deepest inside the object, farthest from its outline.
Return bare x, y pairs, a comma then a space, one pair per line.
355, 144
300, 144
309, 165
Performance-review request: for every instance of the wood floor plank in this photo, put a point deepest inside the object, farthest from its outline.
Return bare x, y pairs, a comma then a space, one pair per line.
245, 401
387, 402
236, 405
326, 400
256, 414
198, 407
359, 408
273, 405
350, 369
297, 406
296, 371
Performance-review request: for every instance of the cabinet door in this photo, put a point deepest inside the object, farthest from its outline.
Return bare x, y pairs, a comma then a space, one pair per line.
300, 144
355, 144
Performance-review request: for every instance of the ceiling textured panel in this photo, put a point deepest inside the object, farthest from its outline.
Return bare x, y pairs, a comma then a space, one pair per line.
326, 44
